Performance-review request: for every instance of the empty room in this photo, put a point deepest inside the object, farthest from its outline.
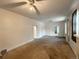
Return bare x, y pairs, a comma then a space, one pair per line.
39, 29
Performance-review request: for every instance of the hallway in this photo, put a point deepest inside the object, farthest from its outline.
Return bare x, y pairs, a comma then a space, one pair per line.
43, 48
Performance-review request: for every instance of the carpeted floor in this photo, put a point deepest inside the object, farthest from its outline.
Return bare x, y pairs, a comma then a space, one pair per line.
43, 48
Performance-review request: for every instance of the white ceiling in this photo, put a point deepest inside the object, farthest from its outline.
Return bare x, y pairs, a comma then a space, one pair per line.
49, 9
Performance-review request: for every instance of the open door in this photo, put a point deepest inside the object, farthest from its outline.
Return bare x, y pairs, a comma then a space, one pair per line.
34, 31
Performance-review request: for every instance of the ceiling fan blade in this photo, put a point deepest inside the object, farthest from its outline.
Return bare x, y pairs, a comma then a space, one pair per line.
33, 1
39, 0
12, 5
37, 11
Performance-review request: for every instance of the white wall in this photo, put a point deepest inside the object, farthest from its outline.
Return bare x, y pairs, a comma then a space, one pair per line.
50, 28
15, 29
75, 46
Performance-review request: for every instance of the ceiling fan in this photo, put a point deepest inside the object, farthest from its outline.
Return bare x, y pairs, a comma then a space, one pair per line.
31, 2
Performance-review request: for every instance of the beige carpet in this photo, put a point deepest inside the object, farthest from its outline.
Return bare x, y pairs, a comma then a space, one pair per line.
43, 48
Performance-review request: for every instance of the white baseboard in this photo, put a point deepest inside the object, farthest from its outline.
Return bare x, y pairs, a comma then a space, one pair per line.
9, 49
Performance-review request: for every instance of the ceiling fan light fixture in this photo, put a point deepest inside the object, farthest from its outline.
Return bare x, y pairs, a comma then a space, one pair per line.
31, 8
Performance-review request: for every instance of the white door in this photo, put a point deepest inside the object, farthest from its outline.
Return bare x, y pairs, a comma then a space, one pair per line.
34, 31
